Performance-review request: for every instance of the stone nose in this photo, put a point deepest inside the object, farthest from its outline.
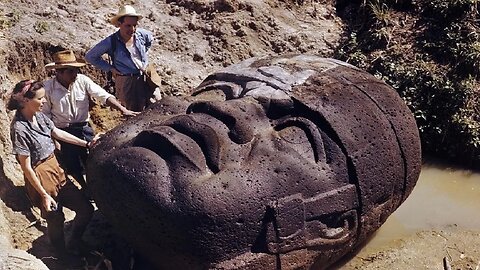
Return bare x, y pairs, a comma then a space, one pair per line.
172, 146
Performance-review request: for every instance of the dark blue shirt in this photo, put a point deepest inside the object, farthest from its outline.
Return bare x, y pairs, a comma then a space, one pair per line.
121, 57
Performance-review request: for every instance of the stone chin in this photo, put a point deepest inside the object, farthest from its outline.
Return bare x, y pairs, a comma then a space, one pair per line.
272, 163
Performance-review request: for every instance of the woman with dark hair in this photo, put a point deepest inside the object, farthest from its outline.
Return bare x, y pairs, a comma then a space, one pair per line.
32, 134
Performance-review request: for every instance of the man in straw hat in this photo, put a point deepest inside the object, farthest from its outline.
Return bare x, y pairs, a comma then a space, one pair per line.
135, 80
68, 97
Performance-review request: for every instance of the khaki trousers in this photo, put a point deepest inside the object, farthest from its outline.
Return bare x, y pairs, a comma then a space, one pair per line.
133, 92
66, 194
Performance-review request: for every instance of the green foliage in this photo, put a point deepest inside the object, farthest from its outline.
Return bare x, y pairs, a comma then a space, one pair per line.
448, 9
9, 20
468, 117
470, 55
456, 43
350, 52
380, 13
437, 75
41, 27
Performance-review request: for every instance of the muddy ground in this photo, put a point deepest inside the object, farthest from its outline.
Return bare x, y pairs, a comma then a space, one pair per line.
193, 38
435, 249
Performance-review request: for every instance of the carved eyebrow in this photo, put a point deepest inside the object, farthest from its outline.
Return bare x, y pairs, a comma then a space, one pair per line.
312, 132
205, 137
238, 132
231, 90
206, 108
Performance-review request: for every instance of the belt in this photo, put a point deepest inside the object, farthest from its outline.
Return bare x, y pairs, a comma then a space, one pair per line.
130, 74
43, 160
79, 124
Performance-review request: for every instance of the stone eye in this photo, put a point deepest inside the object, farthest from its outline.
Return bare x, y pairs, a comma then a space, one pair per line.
303, 136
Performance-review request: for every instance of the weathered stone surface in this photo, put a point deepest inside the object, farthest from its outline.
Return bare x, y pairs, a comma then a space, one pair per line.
272, 163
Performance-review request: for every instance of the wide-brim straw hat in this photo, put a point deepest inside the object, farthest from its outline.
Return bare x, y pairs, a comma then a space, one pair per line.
126, 10
65, 59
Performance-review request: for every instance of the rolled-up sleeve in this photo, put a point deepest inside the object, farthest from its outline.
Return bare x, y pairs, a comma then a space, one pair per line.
94, 55
95, 91
145, 39
19, 143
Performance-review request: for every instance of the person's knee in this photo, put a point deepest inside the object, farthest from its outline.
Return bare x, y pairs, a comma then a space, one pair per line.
55, 218
83, 215
86, 211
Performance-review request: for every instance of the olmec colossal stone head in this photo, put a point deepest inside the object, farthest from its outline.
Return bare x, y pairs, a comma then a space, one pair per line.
273, 163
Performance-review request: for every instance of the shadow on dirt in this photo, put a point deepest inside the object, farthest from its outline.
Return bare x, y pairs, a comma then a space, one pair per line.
15, 197
107, 250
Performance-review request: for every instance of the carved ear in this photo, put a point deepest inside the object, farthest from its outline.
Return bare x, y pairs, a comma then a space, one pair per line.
328, 219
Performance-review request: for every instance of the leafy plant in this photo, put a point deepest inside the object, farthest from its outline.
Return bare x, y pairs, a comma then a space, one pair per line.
9, 20
435, 67
448, 9
41, 27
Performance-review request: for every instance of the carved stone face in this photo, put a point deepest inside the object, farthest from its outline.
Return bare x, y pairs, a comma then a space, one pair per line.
263, 165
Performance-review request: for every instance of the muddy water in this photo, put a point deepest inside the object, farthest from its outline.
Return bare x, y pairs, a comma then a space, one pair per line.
442, 198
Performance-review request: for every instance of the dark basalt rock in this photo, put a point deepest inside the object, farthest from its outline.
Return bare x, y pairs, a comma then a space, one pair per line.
273, 163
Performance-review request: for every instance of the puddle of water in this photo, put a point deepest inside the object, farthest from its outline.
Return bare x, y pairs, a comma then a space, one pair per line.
441, 198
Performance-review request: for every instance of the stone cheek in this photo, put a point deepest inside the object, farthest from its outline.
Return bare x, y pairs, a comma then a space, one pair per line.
273, 163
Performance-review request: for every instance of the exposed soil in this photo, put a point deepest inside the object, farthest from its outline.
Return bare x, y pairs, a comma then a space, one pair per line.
434, 249
193, 38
